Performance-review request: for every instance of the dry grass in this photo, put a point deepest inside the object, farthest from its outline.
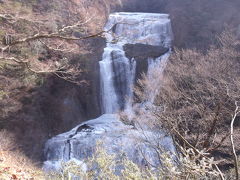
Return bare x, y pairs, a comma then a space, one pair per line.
13, 163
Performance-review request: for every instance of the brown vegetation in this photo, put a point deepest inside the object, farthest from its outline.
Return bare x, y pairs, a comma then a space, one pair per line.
28, 48
198, 97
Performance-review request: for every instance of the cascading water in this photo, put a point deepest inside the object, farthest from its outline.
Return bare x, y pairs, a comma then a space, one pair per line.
116, 70
155, 68
116, 78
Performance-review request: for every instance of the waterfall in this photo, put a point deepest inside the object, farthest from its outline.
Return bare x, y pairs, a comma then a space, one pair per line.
155, 69
116, 70
118, 73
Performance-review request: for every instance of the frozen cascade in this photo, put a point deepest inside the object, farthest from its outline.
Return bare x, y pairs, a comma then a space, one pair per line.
154, 65
118, 75
117, 78
116, 70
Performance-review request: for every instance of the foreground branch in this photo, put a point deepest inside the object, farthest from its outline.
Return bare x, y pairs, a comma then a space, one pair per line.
232, 141
51, 36
198, 152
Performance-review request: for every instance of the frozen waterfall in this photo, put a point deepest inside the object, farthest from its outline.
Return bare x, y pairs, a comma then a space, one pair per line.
116, 70
135, 41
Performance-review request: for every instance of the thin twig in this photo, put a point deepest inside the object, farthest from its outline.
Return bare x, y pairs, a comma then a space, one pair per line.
198, 152
232, 141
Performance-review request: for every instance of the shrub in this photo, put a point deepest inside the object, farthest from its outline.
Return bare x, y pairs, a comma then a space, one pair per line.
107, 167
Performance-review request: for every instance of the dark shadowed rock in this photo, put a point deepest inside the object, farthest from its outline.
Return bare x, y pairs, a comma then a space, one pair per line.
65, 105
144, 51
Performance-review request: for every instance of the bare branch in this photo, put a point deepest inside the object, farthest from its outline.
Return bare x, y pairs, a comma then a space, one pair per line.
198, 152
232, 140
53, 35
8, 17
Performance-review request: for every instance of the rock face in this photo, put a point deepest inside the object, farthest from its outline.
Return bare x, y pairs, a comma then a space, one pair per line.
66, 104
116, 137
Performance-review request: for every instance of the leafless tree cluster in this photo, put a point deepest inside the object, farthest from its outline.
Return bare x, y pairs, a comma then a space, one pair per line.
199, 91
40, 48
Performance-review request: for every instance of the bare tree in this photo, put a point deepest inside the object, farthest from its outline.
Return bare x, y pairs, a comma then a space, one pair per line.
236, 112
41, 41
197, 95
